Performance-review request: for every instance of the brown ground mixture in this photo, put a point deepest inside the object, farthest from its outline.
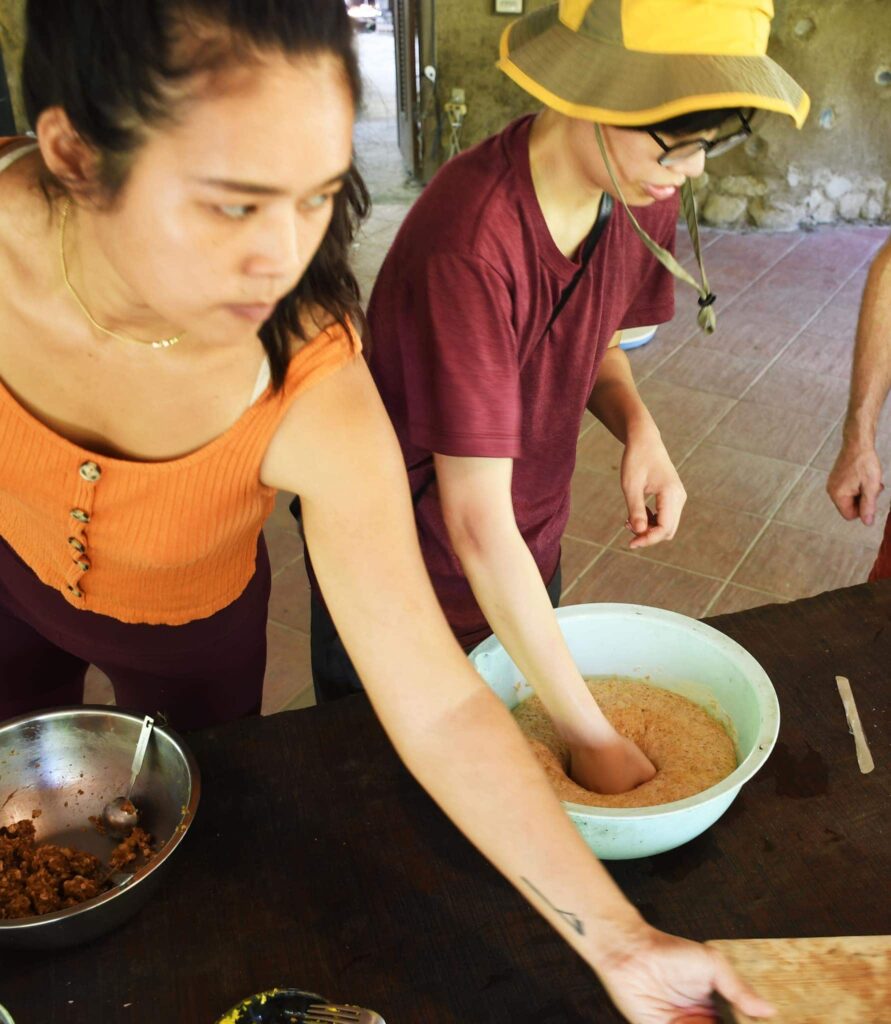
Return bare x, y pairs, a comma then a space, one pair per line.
38, 878
690, 750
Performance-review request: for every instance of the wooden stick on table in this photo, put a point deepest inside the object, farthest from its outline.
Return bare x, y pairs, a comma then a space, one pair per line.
864, 757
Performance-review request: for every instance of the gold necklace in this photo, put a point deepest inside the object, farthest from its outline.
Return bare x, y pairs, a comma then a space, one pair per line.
161, 343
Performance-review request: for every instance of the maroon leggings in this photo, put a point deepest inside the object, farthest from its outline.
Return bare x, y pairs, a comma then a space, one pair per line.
202, 673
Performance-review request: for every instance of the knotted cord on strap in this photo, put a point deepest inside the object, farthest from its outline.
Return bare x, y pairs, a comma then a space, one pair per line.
706, 316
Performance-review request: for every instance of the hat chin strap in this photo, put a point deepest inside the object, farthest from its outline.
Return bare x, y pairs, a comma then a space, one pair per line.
706, 317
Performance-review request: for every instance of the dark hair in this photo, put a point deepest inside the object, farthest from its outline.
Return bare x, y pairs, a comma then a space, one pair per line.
697, 121
117, 67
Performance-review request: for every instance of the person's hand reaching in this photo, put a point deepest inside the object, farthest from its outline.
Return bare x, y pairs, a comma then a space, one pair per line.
656, 978
613, 765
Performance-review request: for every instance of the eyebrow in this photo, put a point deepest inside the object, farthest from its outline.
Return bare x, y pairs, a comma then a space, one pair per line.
255, 189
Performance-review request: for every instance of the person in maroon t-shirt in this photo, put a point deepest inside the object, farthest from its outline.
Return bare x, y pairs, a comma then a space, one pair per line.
495, 324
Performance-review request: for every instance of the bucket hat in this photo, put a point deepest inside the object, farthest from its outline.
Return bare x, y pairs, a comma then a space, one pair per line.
631, 63
638, 62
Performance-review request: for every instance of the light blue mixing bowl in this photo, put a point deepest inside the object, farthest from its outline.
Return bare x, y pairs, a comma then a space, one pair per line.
676, 653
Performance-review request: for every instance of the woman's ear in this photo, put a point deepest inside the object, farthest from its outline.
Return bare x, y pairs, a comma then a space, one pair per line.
67, 157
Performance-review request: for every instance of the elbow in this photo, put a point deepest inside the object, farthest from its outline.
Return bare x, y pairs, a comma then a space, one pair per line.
467, 531
478, 534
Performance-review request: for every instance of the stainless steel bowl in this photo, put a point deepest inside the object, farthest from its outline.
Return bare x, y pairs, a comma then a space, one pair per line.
67, 764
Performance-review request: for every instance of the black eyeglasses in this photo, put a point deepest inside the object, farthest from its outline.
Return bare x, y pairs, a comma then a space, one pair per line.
682, 151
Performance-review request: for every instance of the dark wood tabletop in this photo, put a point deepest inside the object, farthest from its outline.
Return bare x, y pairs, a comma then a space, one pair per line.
315, 861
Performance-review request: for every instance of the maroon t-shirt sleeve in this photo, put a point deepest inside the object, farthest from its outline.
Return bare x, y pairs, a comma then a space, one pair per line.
460, 359
653, 302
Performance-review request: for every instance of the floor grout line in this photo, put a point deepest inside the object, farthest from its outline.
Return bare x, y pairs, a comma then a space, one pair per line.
767, 367
283, 625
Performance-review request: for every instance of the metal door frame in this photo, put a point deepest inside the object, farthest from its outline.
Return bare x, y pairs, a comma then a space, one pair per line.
416, 95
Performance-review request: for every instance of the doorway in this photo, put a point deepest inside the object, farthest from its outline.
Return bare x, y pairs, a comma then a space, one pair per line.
390, 41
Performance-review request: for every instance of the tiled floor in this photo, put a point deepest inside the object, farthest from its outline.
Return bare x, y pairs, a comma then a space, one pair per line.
751, 415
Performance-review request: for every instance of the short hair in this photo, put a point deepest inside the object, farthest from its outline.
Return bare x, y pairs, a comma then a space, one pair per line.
696, 121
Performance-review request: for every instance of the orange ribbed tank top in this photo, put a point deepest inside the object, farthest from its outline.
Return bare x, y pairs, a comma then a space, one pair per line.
152, 542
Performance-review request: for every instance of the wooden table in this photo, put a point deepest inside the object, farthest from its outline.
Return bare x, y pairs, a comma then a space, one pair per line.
317, 862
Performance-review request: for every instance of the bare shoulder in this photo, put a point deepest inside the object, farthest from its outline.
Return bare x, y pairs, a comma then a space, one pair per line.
338, 421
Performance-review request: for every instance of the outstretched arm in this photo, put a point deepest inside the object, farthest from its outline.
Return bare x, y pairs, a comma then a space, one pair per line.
856, 478
337, 449
477, 506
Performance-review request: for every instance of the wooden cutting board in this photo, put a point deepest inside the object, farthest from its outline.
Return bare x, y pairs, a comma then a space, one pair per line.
842, 980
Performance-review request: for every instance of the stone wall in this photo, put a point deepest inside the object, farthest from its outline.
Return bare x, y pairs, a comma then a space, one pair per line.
467, 33
12, 39
835, 169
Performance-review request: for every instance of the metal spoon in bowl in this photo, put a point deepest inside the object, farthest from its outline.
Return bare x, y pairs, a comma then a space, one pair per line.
120, 815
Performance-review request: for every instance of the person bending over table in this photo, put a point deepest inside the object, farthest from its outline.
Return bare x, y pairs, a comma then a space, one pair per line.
498, 310
178, 234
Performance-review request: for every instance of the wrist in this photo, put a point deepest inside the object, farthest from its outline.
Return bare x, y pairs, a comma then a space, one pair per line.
617, 936
859, 431
641, 428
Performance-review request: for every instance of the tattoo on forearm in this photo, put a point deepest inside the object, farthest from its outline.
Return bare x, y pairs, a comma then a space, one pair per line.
571, 919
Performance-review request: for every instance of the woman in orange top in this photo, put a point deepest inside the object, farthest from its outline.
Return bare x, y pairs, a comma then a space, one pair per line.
184, 219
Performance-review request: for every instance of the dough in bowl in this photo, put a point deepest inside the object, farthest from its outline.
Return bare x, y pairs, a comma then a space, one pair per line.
690, 749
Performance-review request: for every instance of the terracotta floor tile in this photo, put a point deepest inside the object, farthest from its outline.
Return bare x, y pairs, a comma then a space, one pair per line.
285, 546
598, 507
683, 250
575, 557
809, 506
790, 273
711, 540
738, 480
798, 563
288, 669
839, 247
788, 387
851, 292
761, 249
588, 421
97, 688
821, 352
616, 576
746, 333
796, 303
825, 458
289, 600
646, 358
683, 412
776, 433
599, 451
836, 319
727, 278
709, 370
305, 699
281, 514
738, 599
677, 330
